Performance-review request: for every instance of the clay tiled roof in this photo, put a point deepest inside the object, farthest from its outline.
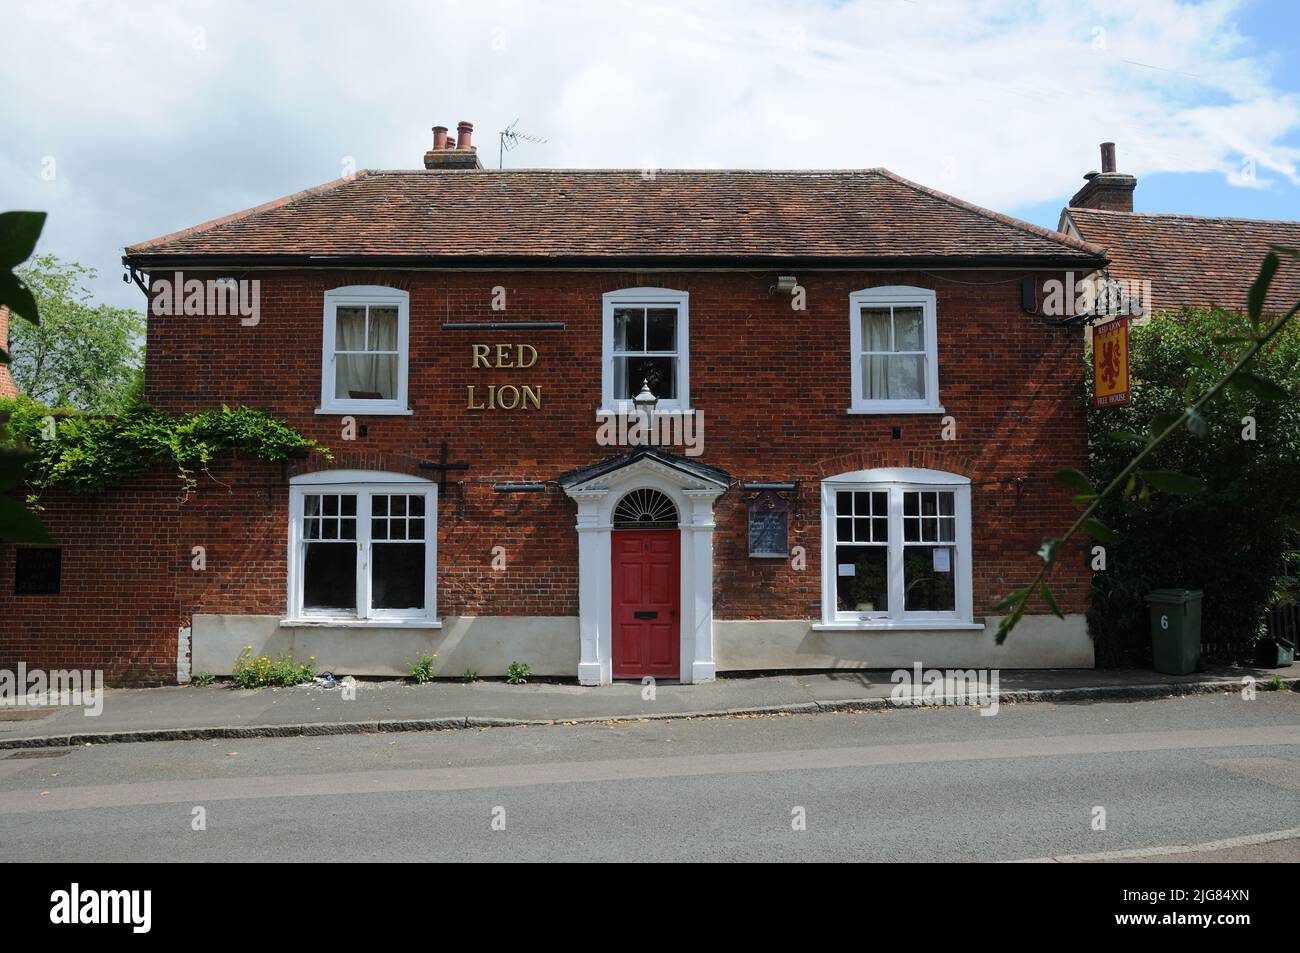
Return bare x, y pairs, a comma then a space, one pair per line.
566, 215
1192, 261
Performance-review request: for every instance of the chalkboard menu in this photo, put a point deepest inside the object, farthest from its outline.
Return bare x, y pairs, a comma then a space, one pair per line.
37, 570
769, 527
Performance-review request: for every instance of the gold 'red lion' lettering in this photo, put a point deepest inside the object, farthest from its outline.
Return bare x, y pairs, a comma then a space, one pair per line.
503, 396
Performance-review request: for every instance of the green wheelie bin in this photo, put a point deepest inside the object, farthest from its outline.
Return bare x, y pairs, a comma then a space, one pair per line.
1175, 630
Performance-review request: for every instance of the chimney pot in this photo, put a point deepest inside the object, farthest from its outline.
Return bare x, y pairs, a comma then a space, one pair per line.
1108, 157
453, 153
1107, 190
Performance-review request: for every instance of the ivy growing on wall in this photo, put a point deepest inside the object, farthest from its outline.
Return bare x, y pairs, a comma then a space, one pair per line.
86, 453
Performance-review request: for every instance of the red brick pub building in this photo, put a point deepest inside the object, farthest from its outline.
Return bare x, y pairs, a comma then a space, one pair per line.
611, 424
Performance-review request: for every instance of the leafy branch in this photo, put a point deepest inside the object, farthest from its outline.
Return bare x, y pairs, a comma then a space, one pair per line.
1131, 479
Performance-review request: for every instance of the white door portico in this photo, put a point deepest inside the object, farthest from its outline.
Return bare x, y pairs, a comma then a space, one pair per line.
597, 489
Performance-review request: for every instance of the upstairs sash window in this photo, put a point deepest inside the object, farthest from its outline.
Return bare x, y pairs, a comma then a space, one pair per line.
646, 340
364, 360
894, 351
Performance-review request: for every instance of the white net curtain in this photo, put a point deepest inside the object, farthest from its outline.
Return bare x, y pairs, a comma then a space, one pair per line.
365, 353
893, 359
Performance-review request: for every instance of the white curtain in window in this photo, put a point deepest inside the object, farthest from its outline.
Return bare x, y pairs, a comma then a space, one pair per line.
875, 367
364, 372
892, 376
383, 337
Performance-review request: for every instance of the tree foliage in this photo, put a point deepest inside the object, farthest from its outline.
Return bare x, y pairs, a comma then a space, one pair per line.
1136, 478
1232, 540
82, 354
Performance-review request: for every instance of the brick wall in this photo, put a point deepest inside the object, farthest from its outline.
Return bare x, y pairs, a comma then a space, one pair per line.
773, 385
7, 386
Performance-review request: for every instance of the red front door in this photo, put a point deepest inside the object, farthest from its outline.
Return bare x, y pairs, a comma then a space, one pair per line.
646, 576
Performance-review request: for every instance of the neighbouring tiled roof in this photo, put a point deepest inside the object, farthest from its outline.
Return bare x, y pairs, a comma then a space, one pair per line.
585, 214
1190, 260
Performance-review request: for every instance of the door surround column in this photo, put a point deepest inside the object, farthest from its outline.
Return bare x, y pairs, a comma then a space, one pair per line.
596, 497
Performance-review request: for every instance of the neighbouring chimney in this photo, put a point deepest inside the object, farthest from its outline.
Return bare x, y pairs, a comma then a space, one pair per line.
448, 153
1107, 190
7, 386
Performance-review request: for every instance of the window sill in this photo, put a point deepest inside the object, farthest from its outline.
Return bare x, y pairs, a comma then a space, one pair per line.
920, 625
364, 412
361, 623
883, 410
632, 412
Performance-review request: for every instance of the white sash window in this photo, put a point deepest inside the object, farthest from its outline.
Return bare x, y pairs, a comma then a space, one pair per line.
364, 356
893, 342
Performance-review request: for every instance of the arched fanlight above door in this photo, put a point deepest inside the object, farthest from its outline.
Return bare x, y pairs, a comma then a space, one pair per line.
645, 509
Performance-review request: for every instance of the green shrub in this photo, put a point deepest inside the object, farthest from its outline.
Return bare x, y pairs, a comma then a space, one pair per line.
470, 676
517, 673
262, 670
422, 668
204, 678
1231, 541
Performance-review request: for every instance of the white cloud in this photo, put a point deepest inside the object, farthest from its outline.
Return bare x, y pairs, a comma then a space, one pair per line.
161, 115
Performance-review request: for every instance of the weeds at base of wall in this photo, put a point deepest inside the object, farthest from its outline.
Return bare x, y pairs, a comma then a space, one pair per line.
262, 671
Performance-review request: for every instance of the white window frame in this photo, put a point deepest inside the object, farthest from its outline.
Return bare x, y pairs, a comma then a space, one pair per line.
650, 298
894, 296
360, 296
363, 483
896, 481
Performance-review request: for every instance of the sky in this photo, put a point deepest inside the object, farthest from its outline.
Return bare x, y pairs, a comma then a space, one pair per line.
128, 120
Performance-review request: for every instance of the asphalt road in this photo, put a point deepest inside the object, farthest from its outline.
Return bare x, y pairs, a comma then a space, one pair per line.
938, 785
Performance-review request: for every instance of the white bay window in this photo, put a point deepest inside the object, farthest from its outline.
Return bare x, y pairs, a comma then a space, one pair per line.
896, 550
362, 548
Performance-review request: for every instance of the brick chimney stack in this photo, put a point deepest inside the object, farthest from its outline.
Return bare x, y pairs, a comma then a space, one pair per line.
7, 386
448, 153
1107, 190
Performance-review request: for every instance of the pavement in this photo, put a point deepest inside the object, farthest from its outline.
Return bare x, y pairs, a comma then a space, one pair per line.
222, 711
1200, 777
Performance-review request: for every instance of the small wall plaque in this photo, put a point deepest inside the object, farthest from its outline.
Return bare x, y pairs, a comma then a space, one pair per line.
769, 527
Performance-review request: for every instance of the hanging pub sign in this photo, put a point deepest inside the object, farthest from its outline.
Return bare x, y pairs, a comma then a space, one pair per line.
1110, 385
769, 527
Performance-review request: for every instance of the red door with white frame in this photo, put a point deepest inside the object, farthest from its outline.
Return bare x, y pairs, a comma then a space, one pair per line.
646, 577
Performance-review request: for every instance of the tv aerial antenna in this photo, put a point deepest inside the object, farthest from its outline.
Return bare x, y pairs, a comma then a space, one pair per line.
510, 138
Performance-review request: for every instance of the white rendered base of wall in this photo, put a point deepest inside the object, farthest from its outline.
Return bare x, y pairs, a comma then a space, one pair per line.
183, 655
1039, 641
483, 644
550, 646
